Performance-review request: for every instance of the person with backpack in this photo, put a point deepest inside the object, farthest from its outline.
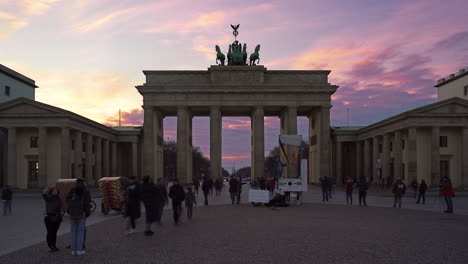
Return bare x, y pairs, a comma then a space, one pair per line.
362, 187
53, 217
422, 192
177, 194
78, 200
133, 211
190, 200
399, 190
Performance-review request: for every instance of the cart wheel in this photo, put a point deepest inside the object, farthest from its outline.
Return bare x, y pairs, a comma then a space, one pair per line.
104, 209
123, 208
92, 206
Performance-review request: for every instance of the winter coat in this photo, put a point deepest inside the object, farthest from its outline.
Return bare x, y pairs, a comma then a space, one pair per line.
349, 185
399, 189
190, 199
206, 186
324, 183
218, 184
53, 204
177, 193
7, 194
133, 201
162, 188
446, 185
79, 202
233, 185
362, 186
422, 188
152, 197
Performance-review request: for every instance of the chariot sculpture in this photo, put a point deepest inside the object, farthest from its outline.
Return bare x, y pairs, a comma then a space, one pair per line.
237, 54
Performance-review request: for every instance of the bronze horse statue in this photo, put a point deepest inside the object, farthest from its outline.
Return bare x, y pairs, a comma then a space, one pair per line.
255, 56
219, 56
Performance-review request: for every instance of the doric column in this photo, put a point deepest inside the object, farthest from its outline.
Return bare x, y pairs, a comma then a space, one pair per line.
89, 161
65, 149
464, 179
386, 156
113, 159
43, 178
215, 142
11, 177
367, 159
397, 156
258, 143
435, 156
412, 155
98, 158
78, 154
148, 142
158, 135
314, 166
135, 159
324, 139
105, 159
375, 156
184, 153
359, 173
339, 162
288, 120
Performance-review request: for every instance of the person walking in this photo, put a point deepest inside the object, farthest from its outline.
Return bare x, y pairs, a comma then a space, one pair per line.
422, 192
165, 200
7, 197
206, 187
190, 200
414, 186
447, 192
324, 184
218, 186
349, 190
133, 211
53, 217
152, 200
78, 200
196, 184
177, 194
362, 187
233, 188
399, 190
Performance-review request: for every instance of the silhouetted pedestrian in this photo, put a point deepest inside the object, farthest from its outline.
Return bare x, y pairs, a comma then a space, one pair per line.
422, 192
133, 211
362, 187
233, 189
324, 184
206, 187
53, 217
447, 192
190, 201
399, 190
349, 190
7, 197
163, 192
177, 194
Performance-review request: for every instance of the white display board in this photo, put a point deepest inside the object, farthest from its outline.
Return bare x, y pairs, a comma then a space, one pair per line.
259, 196
291, 185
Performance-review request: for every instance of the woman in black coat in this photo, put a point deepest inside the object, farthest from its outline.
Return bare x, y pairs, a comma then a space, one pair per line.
133, 205
53, 217
422, 192
152, 198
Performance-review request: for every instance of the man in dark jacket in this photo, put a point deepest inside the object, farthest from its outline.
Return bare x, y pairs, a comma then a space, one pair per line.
153, 200
206, 187
422, 192
399, 190
324, 184
78, 200
133, 205
177, 194
362, 187
233, 188
161, 186
7, 196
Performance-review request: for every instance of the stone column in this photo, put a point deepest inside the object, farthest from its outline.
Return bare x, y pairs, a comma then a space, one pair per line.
135, 159
435, 156
464, 179
89, 161
288, 122
158, 136
98, 159
114, 159
184, 154
359, 173
215, 142
258, 143
106, 163
42, 174
148, 142
367, 159
375, 156
12, 171
386, 156
78, 154
339, 162
397, 156
324, 139
412, 155
65, 149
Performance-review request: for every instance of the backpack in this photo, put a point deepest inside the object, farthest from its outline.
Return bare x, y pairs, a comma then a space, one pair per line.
76, 207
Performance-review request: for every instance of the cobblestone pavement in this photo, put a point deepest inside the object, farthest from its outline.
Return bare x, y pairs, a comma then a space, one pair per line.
311, 233
25, 227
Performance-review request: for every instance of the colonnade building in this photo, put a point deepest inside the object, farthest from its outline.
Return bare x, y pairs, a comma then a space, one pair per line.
40, 143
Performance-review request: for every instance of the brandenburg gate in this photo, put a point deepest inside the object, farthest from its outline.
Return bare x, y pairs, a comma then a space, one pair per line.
237, 89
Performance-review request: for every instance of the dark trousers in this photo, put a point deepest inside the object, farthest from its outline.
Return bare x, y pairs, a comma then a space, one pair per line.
132, 222
159, 212
423, 195
52, 228
325, 194
362, 197
205, 193
176, 209
6, 207
189, 211
448, 200
349, 197
397, 200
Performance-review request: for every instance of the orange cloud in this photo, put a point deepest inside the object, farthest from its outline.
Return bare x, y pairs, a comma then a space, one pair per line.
35, 7
235, 157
